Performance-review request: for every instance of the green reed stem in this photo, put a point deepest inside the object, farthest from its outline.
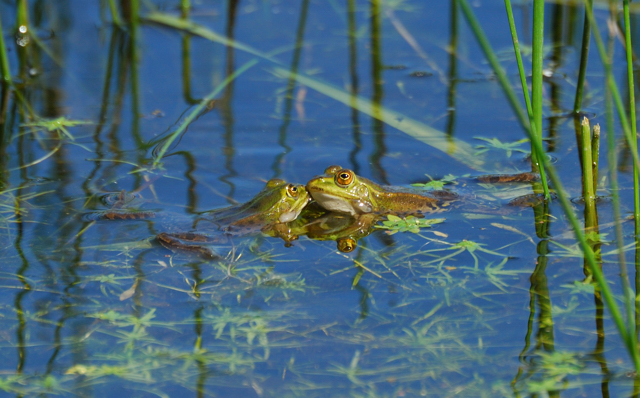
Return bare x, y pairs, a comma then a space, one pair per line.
632, 112
4, 60
613, 176
595, 156
22, 15
198, 109
633, 144
506, 86
115, 16
584, 55
611, 83
536, 76
587, 174
135, 10
185, 6
516, 50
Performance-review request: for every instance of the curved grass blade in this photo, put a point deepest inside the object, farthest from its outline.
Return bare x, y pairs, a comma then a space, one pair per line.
198, 30
196, 111
457, 149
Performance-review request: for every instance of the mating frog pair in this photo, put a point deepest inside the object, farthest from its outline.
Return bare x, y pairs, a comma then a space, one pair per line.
279, 203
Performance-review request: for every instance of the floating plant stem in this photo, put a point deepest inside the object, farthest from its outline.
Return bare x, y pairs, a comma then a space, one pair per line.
196, 111
584, 55
506, 86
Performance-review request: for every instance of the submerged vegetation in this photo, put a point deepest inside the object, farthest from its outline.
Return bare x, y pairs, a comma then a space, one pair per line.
164, 111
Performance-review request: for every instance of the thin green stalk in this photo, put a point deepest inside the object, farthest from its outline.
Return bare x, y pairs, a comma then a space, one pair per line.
135, 9
613, 176
595, 155
23, 13
536, 76
4, 60
506, 85
587, 175
115, 16
584, 55
516, 50
632, 112
196, 111
185, 7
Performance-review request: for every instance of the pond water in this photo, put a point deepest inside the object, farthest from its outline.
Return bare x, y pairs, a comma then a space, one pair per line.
494, 301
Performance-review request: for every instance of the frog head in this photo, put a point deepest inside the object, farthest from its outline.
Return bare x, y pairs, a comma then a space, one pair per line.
341, 190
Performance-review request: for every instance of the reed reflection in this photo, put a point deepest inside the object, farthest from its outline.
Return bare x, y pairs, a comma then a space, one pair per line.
225, 105
377, 82
453, 70
354, 86
288, 93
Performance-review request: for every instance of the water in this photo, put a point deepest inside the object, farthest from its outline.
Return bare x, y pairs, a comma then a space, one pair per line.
488, 303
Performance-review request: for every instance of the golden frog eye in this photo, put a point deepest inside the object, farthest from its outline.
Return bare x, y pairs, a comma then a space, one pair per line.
347, 245
292, 191
344, 177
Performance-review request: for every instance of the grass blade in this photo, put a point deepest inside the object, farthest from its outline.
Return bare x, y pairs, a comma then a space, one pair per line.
457, 149
196, 111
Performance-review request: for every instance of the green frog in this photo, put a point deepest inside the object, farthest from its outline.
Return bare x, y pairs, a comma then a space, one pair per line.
268, 212
341, 190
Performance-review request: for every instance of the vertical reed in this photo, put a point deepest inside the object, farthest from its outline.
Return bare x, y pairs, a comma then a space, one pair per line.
632, 112
584, 55
4, 60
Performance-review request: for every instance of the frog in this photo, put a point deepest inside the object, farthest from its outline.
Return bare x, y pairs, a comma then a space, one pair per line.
341, 190
269, 212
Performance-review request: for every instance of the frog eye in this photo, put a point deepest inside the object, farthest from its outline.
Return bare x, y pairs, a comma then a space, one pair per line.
344, 177
292, 191
347, 245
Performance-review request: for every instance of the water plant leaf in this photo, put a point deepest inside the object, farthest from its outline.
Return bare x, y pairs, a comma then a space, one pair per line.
436, 185
408, 224
494, 143
59, 124
451, 146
